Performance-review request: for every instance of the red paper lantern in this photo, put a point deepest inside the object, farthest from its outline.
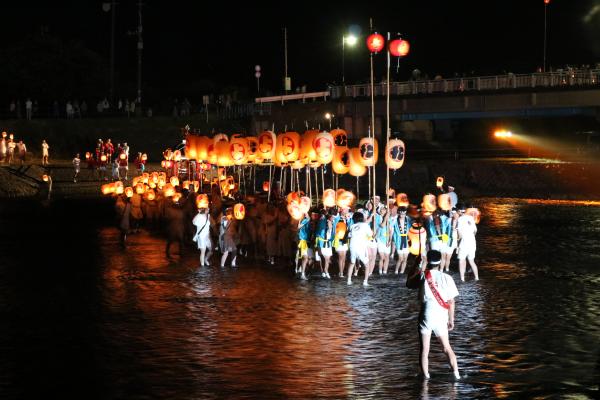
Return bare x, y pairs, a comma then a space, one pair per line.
375, 42
546, 1
399, 47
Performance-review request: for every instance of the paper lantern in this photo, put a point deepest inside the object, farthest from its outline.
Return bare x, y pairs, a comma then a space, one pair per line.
329, 198
239, 211
150, 195
118, 187
140, 188
439, 182
305, 203
45, 178
266, 145
288, 145
417, 239
444, 202
223, 154
145, 177
394, 154
195, 185
475, 213
341, 160
168, 154
340, 137
220, 137
211, 154
123, 156
265, 186
202, 201
176, 196
186, 185
307, 151
144, 157
356, 167
238, 149
345, 199
369, 151
153, 177
103, 158
375, 42
174, 181
88, 155
297, 165
168, 190
135, 180
323, 145
402, 200
294, 211
293, 197
252, 148
340, 230
399, 47
429, 204
129, 191
106, 188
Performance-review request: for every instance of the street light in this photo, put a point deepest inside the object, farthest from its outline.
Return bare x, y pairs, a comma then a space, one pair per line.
351, 40
329, 116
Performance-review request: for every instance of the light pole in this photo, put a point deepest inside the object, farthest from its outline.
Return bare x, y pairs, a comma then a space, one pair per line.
546, 2
351, 40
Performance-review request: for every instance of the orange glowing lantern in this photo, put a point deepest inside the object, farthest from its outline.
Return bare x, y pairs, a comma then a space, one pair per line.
356, 167
123, 156
220, 137
150, 195
239, 211
167, 154
238, 149
439, 182
168, 190
475, 213
174, 181
163, 163
444, 202
202, 201
186, 185
288, 146
294, 211
369, 151
375, 43
252, 148
323, 144
11, 136
129, 191
429, 204
177, 155
45, 178
140, 188
340, 230
106, 188
223, 155
417, 239
144, 157
329, 198
402, 200
340, 137
297, 165
266, 145
88, 155
341, 160
399, 47
211, 154
305, 204
293, 197
195, 186
265, 186
394, 154
307, 151
103, 158
345, 199
135, 180
176, 196
118, 187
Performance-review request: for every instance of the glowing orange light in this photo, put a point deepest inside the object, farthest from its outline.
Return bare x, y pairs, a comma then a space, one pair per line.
502, 134
375, 42
399, 47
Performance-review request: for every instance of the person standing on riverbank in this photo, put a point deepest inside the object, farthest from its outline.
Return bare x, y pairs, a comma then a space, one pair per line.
437, 291
45, 152
22, 151
76, 167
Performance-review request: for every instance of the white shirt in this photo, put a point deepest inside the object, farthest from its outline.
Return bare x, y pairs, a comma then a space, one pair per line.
202, 225
466, 228
45, 148
360, 234
446, 288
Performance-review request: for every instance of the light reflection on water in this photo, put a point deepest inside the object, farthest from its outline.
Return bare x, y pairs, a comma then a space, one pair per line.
168, 329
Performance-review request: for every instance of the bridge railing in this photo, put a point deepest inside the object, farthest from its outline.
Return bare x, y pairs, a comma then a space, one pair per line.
567, 78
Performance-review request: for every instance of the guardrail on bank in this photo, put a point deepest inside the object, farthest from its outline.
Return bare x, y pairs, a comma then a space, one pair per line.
567, 78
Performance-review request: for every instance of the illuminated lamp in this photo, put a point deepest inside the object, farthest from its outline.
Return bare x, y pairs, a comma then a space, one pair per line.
307, 151
88, 155
211, 154
163, 164
176, 196
444, 202
45, 178
154, 177
129, 191
150, 195
144, 157
167, 154
252, 148
417, 239
265, 186
394, 154
186, 185
202, 201
123, 156
356, 168
106, 188
118, 187
329, 198
135, 180
475, 213
152, 184
429, 203
340, 137
375, 43
340, 230
294, 211
439, 182
223, 155
174, 181
369, 151
238, 149
140, 188
239, 211
11, 136
399, 47
220, 137
3, 134
288, 145
345, 199
168, 190
177, 155
298, 164
323, 145
195, 186
341, 160
293, 197
266, 145
168, 164
103, 158
305, 203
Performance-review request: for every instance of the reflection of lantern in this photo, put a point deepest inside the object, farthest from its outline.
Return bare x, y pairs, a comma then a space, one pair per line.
265, 186
354, 162
329, 198
174, 181
345, 199
369, 151
239, 211
150, 195
439, 181
429, 204
305, 204
399, 48
202, 201
140, 188
475, 213
417, 239
288, 145
323, 145
444, 202
340, 163
375, 42
122, 156
394, 154
168, 190
402, 200
129, 191
340, 137
266, 145
294, 211
340, 230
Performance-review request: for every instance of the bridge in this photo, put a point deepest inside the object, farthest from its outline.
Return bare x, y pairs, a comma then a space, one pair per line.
421, 104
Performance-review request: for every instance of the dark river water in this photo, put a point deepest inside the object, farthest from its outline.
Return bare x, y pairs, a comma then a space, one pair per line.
80, 317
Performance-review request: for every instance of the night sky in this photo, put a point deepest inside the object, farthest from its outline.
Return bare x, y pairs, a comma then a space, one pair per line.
184, 42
